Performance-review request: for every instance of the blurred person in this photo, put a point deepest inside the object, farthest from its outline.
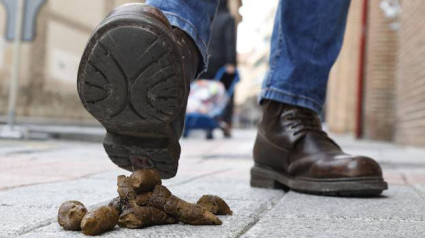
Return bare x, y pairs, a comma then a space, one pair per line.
222, 53
136, 69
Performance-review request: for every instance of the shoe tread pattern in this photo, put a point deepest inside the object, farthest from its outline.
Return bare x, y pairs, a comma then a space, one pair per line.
131, 74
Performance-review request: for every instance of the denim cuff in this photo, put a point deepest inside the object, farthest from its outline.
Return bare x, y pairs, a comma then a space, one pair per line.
190, 29
290, 98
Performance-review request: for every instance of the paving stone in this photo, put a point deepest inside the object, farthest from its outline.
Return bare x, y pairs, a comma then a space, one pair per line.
420, 188
396, 203
228, 190
399, 213
219, 167
18, 147
336, 228
26, 208
61, 163
14, 221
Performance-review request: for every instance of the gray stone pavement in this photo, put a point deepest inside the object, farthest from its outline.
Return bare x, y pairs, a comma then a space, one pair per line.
37, 176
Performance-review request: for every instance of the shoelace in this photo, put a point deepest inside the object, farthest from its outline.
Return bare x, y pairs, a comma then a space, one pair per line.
303, 121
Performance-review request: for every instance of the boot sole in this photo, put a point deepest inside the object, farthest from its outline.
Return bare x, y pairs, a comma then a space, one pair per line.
353, 187
131, 80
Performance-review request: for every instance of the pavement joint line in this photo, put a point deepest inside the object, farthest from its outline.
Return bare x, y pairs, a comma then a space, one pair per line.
403, 177
418, 191
217, 156
46, 222
350, 218
56, 181
199, 177
50, 221
25, 152
32, 151
268, 207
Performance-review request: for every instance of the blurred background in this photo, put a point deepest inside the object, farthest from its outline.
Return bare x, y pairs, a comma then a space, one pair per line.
376, 93
376, 88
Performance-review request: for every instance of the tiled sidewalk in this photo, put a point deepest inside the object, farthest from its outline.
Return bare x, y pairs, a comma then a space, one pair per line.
35, 177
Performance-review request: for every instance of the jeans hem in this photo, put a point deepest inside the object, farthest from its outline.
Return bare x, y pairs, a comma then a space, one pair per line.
290, 98
190, 29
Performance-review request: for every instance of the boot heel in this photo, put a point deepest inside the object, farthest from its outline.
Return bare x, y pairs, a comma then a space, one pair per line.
132, 153
262, 178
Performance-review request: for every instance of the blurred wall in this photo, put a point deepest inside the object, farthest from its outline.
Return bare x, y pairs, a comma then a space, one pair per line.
394, 78
380, 76
342, 85
253, 54
47, 80
410, 116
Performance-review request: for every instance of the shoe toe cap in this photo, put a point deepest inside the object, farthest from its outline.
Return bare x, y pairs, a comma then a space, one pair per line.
345, 166
361, 166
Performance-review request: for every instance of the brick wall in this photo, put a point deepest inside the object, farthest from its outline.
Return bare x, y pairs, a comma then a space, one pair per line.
394, 80
342, 85
411, 75
380, 76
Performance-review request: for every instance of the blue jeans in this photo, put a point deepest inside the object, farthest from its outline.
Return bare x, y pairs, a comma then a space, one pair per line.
307, 38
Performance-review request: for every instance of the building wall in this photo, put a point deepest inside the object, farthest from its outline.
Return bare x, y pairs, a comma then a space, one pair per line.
410, 118
47, 80
378, 79
342, 86
380, 76
394, 79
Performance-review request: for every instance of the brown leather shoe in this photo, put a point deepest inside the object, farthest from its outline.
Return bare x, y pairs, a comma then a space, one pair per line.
134, 78
292, 151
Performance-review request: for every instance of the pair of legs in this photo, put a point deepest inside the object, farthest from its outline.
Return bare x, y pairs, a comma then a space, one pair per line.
135, 73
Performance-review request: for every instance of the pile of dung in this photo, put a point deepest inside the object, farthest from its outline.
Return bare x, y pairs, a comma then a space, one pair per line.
142, 202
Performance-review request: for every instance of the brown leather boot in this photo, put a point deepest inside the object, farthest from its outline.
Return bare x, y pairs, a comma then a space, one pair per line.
291, 150
134, 78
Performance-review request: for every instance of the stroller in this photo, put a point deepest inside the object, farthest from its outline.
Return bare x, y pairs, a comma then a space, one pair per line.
207, 103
